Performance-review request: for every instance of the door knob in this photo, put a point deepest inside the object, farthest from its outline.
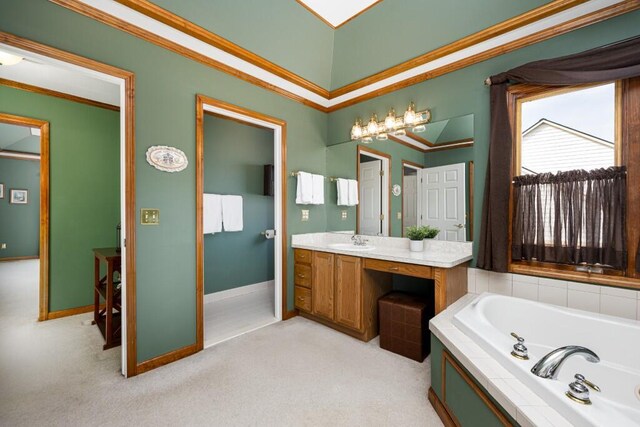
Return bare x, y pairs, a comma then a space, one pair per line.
460, 225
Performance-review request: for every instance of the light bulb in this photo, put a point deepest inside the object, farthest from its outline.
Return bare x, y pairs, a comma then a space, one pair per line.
409, 115
372, 127
367, 140
356, 130
400, 132
420, 128
9, 59
390, 121
382, 137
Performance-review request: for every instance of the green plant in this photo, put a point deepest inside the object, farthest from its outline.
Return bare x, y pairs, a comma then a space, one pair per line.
430, 232
421, 233
415, 233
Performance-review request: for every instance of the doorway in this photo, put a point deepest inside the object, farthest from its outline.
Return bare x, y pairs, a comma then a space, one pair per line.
38, 55
225, 276
374, 187
409, 194
442, 201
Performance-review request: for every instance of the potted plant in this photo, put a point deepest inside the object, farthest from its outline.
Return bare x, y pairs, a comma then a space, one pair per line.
430, 232
416, 237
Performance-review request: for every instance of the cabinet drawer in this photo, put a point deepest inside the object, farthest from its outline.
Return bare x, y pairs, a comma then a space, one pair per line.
302, 299
302, 256
302, 275
422, 271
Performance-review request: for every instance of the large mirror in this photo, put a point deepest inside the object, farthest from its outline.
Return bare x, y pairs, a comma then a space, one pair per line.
420, 178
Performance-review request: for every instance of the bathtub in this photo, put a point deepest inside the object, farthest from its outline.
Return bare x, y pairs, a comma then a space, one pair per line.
490, 319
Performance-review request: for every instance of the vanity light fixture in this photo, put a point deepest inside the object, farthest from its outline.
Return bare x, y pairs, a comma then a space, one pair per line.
9, 59
392, 124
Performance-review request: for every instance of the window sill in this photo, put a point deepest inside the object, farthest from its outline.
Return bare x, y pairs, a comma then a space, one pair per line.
574, 276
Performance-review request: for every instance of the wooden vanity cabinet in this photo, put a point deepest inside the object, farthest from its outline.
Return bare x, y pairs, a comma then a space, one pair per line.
348, 292
342, 295
302, 277
322, 286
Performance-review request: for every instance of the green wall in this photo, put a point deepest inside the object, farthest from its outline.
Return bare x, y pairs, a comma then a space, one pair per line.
166, 87
234, 159
341, 162
397, 30
463, 92
20, 224
281, 31
84, 188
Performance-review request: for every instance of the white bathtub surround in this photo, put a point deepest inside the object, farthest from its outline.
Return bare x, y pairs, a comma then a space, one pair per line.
582, 296
488, 320
438, 254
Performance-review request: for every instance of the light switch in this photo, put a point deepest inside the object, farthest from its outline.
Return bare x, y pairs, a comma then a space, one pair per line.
305, 214
150, 216
3, 246
399, 215
344, 215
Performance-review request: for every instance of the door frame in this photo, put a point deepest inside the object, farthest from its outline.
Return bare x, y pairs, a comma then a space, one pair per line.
415, 166
126, 81
386, 195
207, 105
43, 244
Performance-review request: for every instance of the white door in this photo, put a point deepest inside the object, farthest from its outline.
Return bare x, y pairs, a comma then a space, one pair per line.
370, 198
410, 201
442, 200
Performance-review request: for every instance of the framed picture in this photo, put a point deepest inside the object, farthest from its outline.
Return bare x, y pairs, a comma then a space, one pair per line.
1, 191
19, 197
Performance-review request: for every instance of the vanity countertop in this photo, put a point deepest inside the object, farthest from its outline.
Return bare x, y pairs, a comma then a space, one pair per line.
436, 254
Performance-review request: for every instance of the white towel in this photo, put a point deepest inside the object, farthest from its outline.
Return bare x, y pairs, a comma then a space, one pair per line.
304, 193
317, 197
211, 213
353, 192
343, 191
232, 213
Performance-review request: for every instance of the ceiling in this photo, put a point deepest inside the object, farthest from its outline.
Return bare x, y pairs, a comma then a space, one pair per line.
33, 71
337, 12
19, 138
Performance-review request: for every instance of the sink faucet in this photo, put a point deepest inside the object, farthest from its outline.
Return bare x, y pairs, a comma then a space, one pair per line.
358, 240
549, 365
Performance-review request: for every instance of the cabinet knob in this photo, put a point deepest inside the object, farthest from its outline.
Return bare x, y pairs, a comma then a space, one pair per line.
300, 298
301, 275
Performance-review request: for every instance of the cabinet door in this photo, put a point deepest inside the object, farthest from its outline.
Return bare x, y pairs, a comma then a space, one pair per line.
349, 291
322, 285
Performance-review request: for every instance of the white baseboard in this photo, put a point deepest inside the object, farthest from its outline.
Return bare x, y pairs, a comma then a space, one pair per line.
243, 290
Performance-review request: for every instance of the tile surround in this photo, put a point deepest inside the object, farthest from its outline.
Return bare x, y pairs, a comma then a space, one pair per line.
597, 299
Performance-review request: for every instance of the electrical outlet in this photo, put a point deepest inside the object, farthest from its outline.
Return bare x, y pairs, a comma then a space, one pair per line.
399, 215
344, 215
3, 246
305, 214
150, 216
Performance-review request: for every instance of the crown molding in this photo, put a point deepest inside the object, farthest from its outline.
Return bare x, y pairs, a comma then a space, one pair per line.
156, 25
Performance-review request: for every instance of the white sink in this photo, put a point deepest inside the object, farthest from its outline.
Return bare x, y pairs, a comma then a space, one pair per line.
350, 247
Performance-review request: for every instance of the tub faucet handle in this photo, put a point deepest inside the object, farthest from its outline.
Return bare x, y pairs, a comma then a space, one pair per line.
578, 391
519, 349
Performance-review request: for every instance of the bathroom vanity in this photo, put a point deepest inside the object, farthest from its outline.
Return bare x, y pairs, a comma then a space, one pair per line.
338, 283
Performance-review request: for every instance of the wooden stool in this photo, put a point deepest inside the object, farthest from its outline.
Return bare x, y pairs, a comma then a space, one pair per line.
108, 321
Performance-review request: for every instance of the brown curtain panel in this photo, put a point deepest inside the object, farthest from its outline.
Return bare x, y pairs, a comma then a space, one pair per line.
619, 60
572, 217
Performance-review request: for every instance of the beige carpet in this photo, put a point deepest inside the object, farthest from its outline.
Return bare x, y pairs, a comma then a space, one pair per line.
290, 373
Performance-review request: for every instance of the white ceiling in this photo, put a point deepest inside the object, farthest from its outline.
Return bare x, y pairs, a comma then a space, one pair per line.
18, 138
337, 12
35, 72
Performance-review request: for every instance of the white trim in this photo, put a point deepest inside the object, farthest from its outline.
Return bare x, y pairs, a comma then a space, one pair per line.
277, 156
236, 292
386, 201
142, 21
19, 156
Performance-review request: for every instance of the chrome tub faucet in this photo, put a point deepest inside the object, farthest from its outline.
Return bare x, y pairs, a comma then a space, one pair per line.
549, 365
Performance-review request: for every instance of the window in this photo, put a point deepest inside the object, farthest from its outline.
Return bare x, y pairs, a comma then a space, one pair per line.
574, 194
